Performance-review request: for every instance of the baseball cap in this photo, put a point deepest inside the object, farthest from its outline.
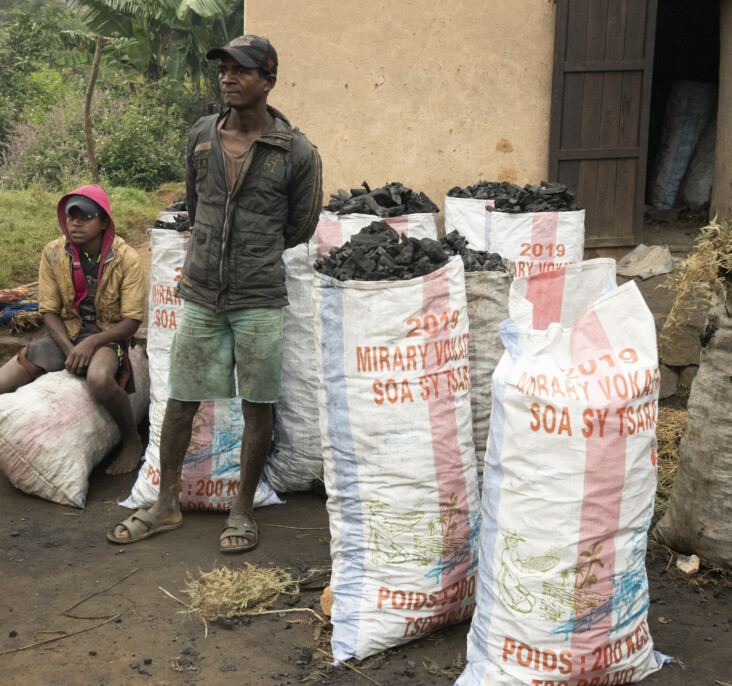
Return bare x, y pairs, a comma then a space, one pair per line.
253, 52
88, 207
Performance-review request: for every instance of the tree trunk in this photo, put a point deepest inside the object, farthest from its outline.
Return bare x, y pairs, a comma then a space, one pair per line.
87, 110
722, 190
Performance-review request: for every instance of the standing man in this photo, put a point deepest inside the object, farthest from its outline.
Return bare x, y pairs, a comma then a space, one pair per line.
254, 188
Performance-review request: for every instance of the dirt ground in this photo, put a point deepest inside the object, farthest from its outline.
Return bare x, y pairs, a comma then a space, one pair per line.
53, 557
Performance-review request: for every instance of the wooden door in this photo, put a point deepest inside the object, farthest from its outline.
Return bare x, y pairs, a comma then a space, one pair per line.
603, 60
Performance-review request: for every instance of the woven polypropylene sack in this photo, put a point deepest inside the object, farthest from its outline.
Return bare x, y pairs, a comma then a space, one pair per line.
211, 468
487, 295
699, 515
688, 110
569, 486
53, 432
398, 455
534, 242
297, 460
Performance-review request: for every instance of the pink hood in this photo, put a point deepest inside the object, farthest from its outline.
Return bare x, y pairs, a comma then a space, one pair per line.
95, 193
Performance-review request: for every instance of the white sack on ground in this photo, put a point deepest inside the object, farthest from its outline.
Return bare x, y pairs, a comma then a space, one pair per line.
211, 469
699, 515
399, 459
297, 461
53, 432
534, 242
569, 486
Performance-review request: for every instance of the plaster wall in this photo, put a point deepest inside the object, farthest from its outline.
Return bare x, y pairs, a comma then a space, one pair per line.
431, 94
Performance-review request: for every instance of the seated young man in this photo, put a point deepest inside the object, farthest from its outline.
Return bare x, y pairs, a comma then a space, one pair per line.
92, 297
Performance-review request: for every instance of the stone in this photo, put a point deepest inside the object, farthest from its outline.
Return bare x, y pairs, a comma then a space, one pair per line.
326, 602
669, 382
646, 261
688, 564
680, 348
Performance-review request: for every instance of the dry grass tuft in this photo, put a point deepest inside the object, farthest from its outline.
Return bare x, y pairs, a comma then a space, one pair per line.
232, 593
704, 275
453, 671
669, 430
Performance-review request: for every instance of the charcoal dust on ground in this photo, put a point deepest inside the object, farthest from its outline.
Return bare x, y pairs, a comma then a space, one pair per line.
391, 200
378, 253
508, 197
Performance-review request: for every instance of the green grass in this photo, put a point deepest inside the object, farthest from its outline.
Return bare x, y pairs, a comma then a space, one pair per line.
28, 221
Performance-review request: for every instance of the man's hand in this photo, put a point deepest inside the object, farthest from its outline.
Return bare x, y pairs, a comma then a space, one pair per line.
78, 359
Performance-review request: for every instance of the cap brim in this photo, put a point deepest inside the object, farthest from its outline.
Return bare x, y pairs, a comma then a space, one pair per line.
85, 205
244, 60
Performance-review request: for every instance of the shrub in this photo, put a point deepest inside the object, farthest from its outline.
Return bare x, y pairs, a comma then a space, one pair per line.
141, 144
40, 91
48, 150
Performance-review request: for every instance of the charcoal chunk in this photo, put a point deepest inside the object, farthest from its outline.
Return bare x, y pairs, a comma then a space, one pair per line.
548, 196
181, 222
473, 260
391, 200
377, 253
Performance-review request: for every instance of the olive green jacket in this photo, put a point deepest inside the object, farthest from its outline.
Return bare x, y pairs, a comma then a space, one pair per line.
234, 256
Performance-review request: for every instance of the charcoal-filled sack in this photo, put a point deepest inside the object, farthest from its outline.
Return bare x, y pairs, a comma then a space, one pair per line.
487, 296
296, 463
534, 241
53, 432
569, 486
699, 515
211, 468
399, 463
487, 282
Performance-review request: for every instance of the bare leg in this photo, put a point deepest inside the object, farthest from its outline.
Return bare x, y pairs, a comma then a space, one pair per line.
255, 447
174, 440
102, 383
13, 375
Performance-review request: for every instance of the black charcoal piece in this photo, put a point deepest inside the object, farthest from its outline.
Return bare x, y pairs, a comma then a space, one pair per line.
473, 260
549, 196
391, 200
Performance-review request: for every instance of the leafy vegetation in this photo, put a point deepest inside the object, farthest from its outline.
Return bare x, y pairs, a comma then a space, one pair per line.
153, 83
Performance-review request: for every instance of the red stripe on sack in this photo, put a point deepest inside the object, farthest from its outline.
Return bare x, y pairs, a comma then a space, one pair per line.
399, 224
544, 233
546, 293
602, 499
41, 431
330, 235
451, 485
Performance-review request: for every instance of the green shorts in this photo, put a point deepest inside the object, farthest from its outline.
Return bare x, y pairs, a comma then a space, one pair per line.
208, 345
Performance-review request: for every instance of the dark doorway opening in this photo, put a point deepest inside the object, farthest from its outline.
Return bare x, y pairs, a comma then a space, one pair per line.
686, 49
